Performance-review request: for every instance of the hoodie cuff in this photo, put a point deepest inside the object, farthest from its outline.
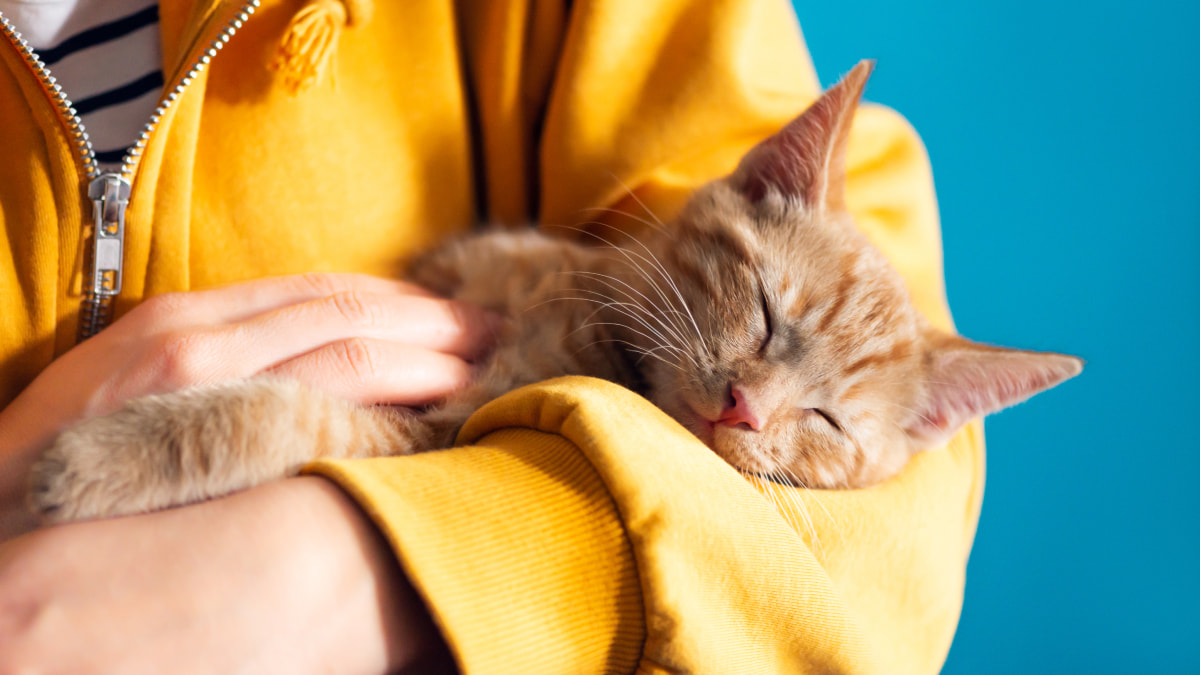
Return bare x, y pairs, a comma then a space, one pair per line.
515, 545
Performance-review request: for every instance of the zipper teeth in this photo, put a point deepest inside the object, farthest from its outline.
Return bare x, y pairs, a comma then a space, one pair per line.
74, 124
96, 310
129, 163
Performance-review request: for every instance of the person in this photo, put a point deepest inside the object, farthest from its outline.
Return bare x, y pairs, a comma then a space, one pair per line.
576, 529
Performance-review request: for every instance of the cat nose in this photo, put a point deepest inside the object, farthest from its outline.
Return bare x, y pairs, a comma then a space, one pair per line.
738, 410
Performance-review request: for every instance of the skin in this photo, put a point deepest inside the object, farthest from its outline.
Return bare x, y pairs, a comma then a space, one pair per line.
313, 589
366, 339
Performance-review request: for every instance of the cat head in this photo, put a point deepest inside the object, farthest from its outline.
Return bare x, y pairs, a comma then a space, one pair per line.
799, 354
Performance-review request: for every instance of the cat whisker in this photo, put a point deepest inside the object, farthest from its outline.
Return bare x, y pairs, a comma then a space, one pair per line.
768, 490
637, 199
658, 345
662, 271
606, 303
607, 280
602, 302
790, 507
627, 309
633, 264
652, 260
651, 224
638, 348
560, 298
627, 253
785, 510
645, 354
678, 294
650, 352
814, 494
634, 348
657, 265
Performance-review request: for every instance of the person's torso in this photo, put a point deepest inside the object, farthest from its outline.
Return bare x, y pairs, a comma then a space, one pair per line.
240, 173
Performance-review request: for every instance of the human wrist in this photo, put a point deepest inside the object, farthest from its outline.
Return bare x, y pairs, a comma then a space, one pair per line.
376, 622
523, 538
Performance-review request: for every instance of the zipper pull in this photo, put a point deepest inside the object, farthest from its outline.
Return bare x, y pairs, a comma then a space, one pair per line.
109, 193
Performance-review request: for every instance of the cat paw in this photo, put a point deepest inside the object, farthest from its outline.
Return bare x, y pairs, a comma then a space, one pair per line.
91, 471
58, 490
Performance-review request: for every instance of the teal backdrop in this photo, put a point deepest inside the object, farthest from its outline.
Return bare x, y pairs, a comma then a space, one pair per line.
1065, 142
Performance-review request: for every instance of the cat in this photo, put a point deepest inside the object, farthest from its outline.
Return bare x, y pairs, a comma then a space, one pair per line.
760, 319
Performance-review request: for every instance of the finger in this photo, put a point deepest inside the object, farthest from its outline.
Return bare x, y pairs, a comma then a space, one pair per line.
447, 326
241, 301
187, 357
376, 371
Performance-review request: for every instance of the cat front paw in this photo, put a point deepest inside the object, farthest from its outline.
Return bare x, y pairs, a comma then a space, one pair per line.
123, 463
53, 486
82, 477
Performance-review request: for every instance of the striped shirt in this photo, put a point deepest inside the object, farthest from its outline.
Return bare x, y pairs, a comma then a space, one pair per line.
106, 56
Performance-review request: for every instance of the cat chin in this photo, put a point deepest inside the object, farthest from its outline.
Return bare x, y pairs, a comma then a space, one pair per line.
741, 448
735, 445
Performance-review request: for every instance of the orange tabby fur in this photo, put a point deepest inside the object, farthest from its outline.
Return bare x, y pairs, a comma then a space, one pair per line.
760, 319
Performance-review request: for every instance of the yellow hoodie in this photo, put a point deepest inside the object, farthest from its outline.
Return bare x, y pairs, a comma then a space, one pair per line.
579, 529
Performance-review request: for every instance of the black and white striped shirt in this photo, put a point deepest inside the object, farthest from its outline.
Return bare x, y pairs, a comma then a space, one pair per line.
107, 57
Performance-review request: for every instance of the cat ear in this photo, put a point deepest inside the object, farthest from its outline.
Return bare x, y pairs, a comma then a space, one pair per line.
965, 380
806, 159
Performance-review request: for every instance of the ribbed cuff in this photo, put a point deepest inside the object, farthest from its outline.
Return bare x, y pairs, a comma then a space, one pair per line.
516, 547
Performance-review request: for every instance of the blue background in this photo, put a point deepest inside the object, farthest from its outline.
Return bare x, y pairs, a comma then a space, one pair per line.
1065, 142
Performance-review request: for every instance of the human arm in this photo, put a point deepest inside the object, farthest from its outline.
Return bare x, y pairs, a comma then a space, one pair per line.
363, 338
873, 558
288, 577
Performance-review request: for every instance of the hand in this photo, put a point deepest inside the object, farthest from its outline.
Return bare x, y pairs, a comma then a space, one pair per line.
367, 339
288, 577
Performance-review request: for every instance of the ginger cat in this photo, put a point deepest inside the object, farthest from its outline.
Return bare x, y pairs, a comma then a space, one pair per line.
760, 319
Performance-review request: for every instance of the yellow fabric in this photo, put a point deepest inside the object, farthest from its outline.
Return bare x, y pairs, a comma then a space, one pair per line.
865, 581
435, 114
519, 547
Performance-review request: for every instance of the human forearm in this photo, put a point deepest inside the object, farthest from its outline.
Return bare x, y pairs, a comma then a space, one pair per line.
288, 577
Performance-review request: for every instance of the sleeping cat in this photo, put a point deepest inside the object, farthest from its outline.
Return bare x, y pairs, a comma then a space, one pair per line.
760, 319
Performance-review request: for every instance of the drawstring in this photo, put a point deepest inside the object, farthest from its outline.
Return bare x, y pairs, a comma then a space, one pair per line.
309, 43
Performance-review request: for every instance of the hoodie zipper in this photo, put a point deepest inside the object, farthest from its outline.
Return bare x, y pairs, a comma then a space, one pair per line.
109, 192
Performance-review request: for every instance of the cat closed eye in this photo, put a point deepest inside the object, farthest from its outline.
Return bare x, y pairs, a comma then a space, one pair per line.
766, 313
825, 416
